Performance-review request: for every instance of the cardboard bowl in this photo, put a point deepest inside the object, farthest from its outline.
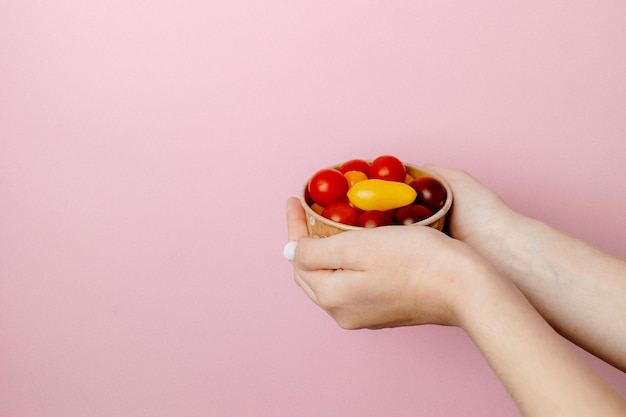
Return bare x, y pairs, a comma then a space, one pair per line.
319, 226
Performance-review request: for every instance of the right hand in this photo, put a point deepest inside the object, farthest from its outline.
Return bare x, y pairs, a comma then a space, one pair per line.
478, 216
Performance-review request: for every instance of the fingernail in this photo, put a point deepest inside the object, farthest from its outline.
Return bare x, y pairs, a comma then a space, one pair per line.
289, 251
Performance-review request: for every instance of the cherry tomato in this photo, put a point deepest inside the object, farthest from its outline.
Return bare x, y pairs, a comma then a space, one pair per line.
411, 214
430, 192
381, 195
388, 168
328, 186
374, 218
317, 208
341, 213
354, 176
356, 165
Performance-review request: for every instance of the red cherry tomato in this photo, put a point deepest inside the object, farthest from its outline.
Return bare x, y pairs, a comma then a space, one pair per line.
430, 192
328, 186
388, 168
341, 213
374, 218
356, 165
411, 214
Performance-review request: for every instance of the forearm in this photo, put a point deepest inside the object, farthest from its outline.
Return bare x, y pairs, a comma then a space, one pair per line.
579, 290
542, 372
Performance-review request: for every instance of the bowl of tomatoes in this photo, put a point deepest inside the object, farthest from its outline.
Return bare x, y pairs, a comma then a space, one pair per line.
362, 193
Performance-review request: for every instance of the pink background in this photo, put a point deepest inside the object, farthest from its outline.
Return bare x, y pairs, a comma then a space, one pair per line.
147, 149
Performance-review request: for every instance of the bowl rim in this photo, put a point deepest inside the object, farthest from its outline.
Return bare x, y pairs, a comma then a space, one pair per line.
425, 222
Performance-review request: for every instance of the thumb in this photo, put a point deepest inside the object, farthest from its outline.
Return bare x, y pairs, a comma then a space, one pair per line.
296, 227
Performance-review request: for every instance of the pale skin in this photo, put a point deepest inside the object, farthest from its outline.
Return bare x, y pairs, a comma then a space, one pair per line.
508, 281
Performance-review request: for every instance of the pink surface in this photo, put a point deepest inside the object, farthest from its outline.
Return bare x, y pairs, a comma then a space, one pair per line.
147, 149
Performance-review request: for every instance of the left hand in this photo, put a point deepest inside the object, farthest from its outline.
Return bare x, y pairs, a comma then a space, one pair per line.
381, 277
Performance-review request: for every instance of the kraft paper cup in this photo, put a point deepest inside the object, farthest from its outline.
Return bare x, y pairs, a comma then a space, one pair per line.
319, 226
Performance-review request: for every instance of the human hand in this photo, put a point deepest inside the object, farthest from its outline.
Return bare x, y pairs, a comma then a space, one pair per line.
381, 277
478, 216
575, 287
402, 275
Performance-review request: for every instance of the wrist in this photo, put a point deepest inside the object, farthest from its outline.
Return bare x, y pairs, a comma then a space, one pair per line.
507, 243
479, 283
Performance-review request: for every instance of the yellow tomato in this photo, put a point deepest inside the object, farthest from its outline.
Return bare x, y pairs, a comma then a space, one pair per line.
381, 195
355, 176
